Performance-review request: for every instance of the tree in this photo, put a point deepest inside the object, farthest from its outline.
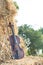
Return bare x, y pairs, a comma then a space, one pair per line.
15, 3
35, 37
41, 30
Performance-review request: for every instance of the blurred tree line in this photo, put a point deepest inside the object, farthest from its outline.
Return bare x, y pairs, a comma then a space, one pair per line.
16, 5
33, 38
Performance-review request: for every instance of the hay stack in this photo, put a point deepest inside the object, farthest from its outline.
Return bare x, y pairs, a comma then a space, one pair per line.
7, 13
23, 46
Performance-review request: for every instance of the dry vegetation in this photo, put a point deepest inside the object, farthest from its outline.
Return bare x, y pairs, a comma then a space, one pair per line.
7, 13
30, 60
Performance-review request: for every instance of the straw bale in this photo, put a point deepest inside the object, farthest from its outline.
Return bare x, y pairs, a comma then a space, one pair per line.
7, 7
7, 13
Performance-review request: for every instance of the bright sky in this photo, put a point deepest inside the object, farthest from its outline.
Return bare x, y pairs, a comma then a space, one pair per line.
30, 12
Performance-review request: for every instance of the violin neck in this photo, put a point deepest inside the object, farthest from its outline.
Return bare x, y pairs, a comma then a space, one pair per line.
12, 28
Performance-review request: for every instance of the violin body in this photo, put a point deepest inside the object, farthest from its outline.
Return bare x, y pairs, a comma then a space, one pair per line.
18, 52
14, 41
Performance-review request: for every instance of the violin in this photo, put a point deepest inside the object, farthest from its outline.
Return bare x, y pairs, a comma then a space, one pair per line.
17, 51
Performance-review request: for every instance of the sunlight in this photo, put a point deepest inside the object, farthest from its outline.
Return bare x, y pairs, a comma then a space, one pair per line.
30, 12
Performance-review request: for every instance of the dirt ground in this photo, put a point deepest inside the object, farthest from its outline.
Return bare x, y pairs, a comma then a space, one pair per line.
30, 60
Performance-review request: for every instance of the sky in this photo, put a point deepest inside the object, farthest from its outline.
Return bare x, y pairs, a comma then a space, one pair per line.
30, 12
